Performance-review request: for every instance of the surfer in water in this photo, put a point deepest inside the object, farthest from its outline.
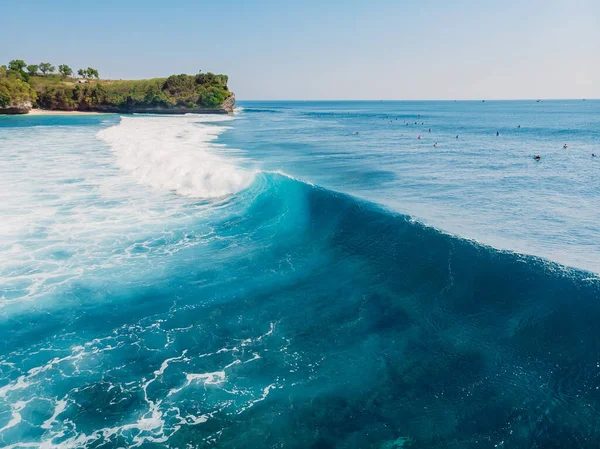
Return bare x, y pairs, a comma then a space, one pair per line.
435, 144
457, 136
497, 133
537, 158
565, 146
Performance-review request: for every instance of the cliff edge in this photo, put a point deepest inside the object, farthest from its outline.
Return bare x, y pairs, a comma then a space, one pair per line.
204, 93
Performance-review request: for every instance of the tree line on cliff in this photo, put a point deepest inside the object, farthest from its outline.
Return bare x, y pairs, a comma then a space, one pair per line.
39, 85
23, 70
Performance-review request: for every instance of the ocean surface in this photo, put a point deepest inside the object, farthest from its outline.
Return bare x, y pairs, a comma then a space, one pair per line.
303, 275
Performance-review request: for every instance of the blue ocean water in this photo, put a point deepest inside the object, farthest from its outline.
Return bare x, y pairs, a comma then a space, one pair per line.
302, 274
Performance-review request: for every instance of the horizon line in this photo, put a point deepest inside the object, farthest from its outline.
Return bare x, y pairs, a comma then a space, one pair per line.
482, 100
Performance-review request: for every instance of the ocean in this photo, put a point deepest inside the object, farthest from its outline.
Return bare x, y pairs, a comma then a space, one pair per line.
303, 275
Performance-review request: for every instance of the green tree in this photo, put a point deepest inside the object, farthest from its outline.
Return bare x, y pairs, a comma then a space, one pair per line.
155, 97
82, 73
13, 90
92, 73
17, 65
46, 67
32, 69
65, 70
212, 96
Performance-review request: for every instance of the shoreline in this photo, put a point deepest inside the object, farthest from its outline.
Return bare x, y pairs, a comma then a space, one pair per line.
57, 112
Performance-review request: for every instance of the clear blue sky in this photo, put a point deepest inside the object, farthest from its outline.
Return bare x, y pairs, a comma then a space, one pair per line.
328, 49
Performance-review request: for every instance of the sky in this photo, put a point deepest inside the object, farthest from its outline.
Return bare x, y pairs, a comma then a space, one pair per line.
324, 50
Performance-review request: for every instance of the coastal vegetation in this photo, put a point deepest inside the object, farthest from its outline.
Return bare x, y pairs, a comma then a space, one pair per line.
65, 70
23, 86
15, 93
88, 73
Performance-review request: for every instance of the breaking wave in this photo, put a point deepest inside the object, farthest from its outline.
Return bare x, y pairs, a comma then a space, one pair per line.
178, 154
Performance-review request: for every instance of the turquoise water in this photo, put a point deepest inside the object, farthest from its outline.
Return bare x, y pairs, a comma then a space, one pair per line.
302, 275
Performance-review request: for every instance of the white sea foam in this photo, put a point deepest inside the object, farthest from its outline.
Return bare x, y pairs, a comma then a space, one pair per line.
58, 409
162, 413
73, 207
16, 418
178, 154
20, 384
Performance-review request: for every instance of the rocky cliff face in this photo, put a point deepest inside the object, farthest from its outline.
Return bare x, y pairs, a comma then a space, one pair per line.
17, 108
229, 103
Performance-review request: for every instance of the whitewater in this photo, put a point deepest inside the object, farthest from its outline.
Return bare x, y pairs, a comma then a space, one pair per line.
302, 275
174, 154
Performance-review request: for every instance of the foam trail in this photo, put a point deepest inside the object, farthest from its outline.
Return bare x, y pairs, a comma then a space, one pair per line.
176, 153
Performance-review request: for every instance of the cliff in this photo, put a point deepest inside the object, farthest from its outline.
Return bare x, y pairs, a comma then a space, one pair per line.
16, 95
16, 108
226, 107
204, 93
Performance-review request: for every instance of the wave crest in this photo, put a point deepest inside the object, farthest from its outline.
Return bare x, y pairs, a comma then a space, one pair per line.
177, 154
